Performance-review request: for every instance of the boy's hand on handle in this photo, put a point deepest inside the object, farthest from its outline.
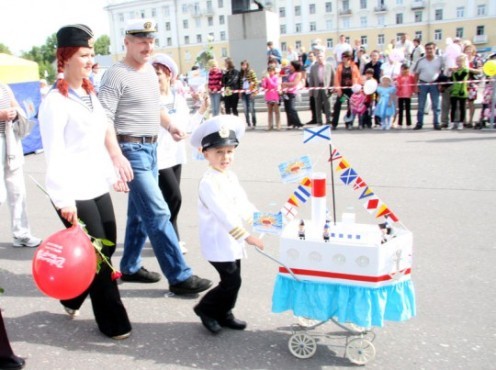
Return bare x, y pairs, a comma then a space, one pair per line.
256, 242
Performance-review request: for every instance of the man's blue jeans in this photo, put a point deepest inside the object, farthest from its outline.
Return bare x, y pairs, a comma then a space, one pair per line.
249, 108
433, 91
215, 103
149, 215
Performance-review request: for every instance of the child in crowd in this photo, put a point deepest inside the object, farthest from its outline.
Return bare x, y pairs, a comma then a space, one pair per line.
271, 85
487, 98
370, 100
284, 75
405, 85
357, 104
386, 108
222, 207
459, 92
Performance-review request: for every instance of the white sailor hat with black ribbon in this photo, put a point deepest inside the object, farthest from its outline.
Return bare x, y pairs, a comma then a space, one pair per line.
222, 130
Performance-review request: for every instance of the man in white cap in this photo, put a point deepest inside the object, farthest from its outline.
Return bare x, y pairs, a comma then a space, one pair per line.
129, 93
222, 206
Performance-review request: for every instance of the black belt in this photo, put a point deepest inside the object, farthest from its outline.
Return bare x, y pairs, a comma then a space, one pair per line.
137, 139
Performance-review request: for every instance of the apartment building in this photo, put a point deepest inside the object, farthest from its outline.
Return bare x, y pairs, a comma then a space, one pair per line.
187, 27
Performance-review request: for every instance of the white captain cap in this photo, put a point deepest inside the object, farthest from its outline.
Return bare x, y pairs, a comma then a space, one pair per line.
167, 62
145, 27
222, 130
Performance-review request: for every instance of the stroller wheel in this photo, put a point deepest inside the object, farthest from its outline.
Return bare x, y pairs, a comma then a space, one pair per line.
360, 351
302, 345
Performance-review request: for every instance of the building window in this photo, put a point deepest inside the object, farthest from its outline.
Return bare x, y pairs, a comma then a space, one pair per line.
399, 18
142, 13
380, 20
363, 21
211, 36
167, 26
223, 35
313, 26
329, 24
282, 12
283, 29
154, 12
328, 7
210, 21
223, 52
311, 8
438, 35
198, 39
438, 15
198, 22
346, 23
122, 32
187, 55
184, 8
169, 41
459, 32
186, 40
460, 12
157, 42
185, 24
298, 27
283, 46
222, 19
481, 10
209, 5
220, 4
346, 4
480, 31
418, 16
399, 2
297, 45
380, 39
131, 14
418, 35
363, 4
297, 10
330, 43
121, 17
363, 40
166, 11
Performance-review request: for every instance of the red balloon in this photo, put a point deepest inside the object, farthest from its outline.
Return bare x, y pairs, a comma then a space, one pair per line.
64, 265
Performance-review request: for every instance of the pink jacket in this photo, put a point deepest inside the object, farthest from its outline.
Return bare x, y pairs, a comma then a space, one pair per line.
405, 86
357, 103
271, 84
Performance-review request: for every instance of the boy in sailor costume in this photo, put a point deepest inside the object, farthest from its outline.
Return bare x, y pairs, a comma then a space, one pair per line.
222, 206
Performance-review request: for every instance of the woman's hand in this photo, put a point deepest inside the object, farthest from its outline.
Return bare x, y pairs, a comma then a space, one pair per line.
121, 186
176, 133
69, 214
123, 167
8, 114
257, 242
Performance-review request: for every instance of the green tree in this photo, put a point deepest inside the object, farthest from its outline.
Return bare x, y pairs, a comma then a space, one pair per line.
45, 56
102, 45
4, 49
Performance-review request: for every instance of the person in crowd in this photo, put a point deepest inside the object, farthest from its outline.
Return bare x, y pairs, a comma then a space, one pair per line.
341, 47
215, 86
44, 88
309, 63
459, 92
418, 51
391, 67
357, 105
427, 71
370, 101
273, 52
75, 131
291, 54
95, 77
8, 360
231, 83
223, 208
290, 88
249, 85
130, 95
405, 85
375, 64
171, 154
322, 79
474, 64
270, 83
347, 74
488, 102
406, 46
196, 84
13, 127
386, 107
303, 56
362, 59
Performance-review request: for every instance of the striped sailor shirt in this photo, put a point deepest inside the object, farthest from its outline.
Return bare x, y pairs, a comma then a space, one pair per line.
131, 99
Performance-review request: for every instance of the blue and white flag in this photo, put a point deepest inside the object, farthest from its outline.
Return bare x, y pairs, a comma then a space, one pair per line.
317, 134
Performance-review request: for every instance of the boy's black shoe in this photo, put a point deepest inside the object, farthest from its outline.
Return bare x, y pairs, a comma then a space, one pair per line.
142, 276
233, 323
191, 285
12, 362
211, 324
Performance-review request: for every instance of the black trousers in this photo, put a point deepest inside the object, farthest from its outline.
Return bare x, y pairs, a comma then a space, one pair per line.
312, 109
404, 106
337, 106
290, 109
5, 348
219, 301
169, 181
231, 104
455, 104
110, 315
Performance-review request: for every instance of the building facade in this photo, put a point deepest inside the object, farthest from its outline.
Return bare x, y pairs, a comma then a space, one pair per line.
187, 27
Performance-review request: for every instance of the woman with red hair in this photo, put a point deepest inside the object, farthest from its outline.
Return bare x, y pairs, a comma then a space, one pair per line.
80, 145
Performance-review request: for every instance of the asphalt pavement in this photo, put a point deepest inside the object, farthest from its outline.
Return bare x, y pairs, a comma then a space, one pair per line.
442, 186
